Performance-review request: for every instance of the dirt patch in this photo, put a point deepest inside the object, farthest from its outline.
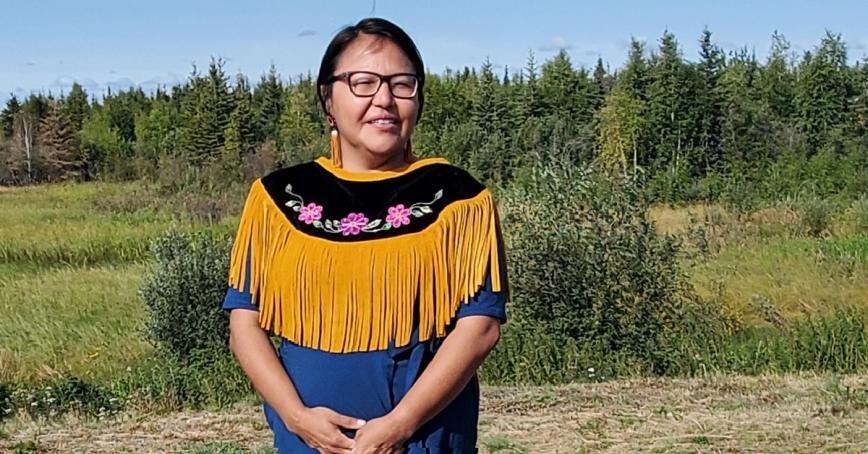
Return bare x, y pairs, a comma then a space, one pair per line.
721, 414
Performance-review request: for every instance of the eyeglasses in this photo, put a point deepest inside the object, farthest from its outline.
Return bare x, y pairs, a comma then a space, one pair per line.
367, 84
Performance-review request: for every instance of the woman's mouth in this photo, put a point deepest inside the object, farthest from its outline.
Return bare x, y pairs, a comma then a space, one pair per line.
384, 124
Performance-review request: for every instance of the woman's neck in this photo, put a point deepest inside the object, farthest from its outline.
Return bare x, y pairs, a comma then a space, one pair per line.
359, 161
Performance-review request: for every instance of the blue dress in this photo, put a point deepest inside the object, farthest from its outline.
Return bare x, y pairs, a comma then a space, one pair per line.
370, 384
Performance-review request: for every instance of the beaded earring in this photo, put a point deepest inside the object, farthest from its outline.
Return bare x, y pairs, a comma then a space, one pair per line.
335, 142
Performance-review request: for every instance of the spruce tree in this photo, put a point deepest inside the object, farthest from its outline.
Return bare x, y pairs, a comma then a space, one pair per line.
709, 103
672, 114
7, 116
240, 137
777, 80
205, 112
822, 91
268, 104
300, 130
76, 107
488, 110
531, 96
742, 110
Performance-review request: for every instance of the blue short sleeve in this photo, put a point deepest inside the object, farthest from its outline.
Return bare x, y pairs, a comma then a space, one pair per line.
238, 300
243, 299
486, 301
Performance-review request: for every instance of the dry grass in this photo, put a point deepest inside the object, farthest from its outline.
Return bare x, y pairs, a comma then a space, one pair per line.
721, 414
675, 220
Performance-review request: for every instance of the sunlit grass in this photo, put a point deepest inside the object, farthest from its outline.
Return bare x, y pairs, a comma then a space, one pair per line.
83, 321
74, 224
763, 258
797, 276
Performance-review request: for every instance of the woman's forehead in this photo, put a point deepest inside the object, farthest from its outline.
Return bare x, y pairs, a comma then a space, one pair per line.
373, 53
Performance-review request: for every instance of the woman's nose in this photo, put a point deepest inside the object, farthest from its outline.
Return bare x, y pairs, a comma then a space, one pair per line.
383, 96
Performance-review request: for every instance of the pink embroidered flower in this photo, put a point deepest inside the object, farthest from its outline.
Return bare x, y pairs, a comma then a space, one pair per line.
353, 223
398, 216
311, 212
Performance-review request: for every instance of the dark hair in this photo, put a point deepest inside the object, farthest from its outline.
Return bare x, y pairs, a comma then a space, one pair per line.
370, 26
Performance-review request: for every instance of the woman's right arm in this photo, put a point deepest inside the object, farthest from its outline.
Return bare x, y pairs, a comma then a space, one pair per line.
319, 427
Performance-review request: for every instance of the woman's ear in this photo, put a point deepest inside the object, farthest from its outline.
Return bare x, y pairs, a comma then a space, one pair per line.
327, 99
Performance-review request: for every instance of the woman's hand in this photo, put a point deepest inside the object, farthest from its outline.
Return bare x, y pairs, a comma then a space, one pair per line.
385, 435
320, 428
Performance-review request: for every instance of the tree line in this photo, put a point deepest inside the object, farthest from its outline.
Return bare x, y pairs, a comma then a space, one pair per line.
692, 128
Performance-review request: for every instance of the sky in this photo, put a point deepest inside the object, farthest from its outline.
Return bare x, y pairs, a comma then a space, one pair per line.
45, 45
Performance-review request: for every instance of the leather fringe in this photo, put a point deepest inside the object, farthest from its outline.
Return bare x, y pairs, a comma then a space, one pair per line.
359, 296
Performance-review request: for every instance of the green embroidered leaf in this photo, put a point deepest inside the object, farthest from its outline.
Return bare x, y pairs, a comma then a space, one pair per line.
317, 224
425, 209
328, 223
296, 208
416, 212
438, 194
387, 226
373, 224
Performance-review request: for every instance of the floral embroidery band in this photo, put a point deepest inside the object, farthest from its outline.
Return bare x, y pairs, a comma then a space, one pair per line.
355, 223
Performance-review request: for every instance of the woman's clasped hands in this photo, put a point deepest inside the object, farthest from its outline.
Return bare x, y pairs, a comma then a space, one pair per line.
320, 428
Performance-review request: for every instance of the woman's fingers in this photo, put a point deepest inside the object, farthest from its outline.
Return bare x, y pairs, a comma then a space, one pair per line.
347, 422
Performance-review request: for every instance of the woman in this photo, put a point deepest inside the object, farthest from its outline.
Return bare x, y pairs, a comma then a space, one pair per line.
382, 273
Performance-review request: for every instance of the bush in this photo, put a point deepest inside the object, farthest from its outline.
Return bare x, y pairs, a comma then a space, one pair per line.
66, 395
816, 215
210, 377
528, 354
5, 401
588, 267
857, 216
206, 378
832, 342
183, 290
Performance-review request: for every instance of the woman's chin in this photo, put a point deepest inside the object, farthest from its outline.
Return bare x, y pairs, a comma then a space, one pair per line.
384, 149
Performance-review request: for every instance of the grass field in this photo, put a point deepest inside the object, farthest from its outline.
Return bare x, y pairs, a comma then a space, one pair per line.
71, 262
85, 321
72, 259
765, 414
761, 262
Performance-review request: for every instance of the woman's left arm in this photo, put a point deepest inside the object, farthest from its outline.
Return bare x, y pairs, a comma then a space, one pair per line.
443, 379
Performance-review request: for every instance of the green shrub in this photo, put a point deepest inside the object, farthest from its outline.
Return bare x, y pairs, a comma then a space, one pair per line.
66, 395
816, 215
833, 342
586, 265
183, 290
6, 407
857, 215
206, 378
528, 354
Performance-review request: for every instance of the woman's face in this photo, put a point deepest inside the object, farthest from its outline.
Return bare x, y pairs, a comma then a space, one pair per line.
355, 115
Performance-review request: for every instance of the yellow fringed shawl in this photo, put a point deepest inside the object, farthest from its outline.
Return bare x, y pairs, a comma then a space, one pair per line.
358, 296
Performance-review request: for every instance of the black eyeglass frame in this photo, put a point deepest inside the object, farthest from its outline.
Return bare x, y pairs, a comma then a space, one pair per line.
345, 76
